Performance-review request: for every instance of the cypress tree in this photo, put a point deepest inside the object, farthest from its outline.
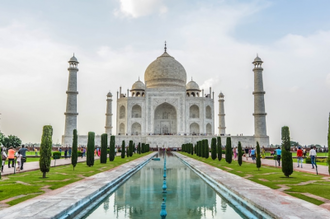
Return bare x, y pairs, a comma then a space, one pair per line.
90, 149
192, 149
207, 150
74, 156
287, 163
240, 153
131, 148
123, 149
127, 151
214, 148
104, 145
329, 145
46, 150
1, 161
258, 161
229, 155
112, 152
219, 148
139, 148
143, 148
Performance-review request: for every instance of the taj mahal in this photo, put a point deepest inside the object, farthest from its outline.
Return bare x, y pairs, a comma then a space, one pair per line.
165, 110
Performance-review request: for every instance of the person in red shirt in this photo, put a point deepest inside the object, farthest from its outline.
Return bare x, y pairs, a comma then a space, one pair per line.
299, 156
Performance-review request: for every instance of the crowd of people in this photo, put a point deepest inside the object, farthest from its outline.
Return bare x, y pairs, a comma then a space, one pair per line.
18, 154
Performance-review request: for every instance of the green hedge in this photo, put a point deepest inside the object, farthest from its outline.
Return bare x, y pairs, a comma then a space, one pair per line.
322, 160
56, 155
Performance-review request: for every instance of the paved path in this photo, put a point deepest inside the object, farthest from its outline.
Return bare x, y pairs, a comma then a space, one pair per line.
274, 202
29, 166
322, 170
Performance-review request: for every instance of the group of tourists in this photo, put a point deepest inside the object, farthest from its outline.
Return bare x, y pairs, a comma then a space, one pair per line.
13, 154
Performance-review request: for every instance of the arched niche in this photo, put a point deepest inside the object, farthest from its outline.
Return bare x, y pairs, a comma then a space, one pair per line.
194, 111
165, 121
194, 128
208, 129
208, 112
136, 111
122, 129
136, 128
122, 112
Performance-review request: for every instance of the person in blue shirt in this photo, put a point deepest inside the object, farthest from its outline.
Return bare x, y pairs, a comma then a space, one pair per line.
253, 155
278, 153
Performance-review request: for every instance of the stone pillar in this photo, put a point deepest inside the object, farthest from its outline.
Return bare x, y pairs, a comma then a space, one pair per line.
222, 126
71, 104
259, 102
108, 115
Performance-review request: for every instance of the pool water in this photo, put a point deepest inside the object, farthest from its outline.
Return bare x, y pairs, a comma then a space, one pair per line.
188, 196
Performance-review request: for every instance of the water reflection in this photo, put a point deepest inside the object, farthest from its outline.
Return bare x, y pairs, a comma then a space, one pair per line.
188, 196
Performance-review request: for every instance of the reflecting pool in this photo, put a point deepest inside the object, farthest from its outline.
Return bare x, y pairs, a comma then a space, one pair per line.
188, 196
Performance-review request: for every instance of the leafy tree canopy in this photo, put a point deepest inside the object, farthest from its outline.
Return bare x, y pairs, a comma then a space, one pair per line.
11, 140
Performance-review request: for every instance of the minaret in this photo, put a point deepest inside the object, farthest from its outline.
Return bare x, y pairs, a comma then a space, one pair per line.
108, 115
222, 126
71, 103
259, 102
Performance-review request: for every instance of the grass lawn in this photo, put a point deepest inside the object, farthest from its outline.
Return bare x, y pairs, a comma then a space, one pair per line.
27, 185
298, 182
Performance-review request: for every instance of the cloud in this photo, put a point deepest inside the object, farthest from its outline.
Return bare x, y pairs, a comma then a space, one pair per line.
135, 9
328, 80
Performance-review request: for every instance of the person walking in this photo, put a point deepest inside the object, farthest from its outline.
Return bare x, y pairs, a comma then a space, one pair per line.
312, 154
70, 151
4, 158
11, 156
253, 154
235, 153
278, 155
246, 150
19, 161
299, 156
66, 153
23, 153
35, 152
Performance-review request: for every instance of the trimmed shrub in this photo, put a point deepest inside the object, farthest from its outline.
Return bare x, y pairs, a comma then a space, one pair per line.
112, 151
139, 148
287, 163
219, 148
104, 145
123, 149
90, 149
143, 148
240, 153
214, 148
46, 150
258, 161
131, 148
74, 156
228, 150
56, 155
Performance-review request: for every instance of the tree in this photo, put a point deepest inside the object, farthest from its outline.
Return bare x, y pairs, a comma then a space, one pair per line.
229, 155
104, 145
214, 149
131, 148
287, 163
2, 138
74, 156
90, 149
127, 151
143, 148
0, 161
139, 148
112, 152
123, 149
11, 140
219, 148
240, 153
46, 150
258, 162
329, 146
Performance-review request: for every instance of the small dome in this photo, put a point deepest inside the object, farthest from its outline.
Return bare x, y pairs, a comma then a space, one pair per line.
221, 95
73, 59
165, 71
138, 85
109, 94
257, 59
192, 85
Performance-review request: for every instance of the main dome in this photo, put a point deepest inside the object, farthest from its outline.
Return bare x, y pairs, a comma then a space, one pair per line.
165, 71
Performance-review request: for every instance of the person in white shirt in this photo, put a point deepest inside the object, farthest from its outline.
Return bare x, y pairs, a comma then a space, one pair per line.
312, 154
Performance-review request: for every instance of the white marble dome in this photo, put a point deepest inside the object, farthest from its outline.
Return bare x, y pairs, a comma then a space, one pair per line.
138, 85
165, 71
192, 85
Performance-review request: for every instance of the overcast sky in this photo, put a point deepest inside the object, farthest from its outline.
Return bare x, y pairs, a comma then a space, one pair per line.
215, 41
